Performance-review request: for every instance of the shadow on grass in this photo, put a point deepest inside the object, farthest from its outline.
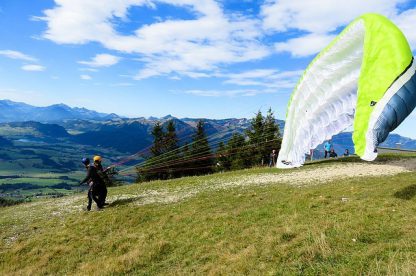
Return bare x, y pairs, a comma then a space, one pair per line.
124, 201
350, 159
406, 193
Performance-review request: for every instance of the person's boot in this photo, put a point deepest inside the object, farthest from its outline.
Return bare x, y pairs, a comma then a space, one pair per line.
89, 208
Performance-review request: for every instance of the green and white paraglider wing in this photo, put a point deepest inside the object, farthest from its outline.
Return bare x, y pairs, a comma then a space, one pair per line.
365, 78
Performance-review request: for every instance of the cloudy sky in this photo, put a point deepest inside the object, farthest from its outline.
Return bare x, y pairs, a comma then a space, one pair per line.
188, 58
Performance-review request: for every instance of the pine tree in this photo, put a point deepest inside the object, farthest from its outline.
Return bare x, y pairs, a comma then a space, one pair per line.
255, 135
185, 155
158, 140
201, 152
148, 171
222, 160
237, 154
171, 150
171, 139
111, 179
271, 134
186, 152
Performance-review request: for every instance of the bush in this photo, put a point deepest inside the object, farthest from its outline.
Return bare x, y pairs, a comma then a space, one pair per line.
4, 201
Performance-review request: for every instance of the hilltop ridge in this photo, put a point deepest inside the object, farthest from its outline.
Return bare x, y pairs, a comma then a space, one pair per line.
254, 221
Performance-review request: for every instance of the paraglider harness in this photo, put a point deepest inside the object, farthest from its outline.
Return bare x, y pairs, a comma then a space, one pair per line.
93, 183
107, 175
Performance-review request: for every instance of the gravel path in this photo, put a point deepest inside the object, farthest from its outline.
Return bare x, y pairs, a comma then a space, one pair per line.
303, 177
330, 173
306, 176
295, 177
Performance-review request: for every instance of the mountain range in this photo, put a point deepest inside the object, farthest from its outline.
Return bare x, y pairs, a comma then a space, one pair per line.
41, 147
18, 112
63, 124
126, 136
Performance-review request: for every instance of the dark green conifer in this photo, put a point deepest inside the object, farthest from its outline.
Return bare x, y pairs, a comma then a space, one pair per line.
201, 155
255, 142
238, 157
172, 158
150, 170
272, 138
222, 160
158, 140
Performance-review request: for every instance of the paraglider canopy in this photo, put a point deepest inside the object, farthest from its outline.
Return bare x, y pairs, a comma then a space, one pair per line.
364, 78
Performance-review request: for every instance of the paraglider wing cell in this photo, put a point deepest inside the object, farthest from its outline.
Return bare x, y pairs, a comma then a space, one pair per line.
365, 78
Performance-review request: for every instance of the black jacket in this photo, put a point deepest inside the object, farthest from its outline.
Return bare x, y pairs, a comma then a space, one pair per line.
92, 175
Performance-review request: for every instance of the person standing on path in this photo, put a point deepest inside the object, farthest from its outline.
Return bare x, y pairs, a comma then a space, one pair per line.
327, 147
273, 158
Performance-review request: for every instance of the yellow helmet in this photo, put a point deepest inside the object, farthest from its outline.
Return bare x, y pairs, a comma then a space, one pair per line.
97, 158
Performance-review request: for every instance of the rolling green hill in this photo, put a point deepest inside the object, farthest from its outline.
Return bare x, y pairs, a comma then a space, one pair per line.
32, 148
40, 160
29, 149
338, 217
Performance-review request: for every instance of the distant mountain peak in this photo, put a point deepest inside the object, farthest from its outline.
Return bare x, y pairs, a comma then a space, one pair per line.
20, 112
60, 105
168, 117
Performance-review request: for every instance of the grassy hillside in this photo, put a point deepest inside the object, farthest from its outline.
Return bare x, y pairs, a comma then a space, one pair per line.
325, 218
30, 169
38, 160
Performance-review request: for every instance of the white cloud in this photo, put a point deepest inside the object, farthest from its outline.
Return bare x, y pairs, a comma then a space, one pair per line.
229, 93
198, 45
123, 84
320, 18
88, 69
85, 77
407, 23
197, 75
21, 95
272, 79
33, 67
306, 45
101, 60
212, 39
17, 55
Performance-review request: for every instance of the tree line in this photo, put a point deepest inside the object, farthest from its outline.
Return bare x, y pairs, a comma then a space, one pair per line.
168, 159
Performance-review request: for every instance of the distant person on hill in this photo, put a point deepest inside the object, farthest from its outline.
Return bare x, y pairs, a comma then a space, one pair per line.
95, 183
346, 152
332, 153
327, 147
273, 158
103, 174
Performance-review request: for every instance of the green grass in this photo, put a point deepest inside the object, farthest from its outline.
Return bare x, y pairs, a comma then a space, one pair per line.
9, 131
347, 226
42, 184
41, 165
35, 181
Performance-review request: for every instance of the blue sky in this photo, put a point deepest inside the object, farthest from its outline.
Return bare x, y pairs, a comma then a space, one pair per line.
188, 58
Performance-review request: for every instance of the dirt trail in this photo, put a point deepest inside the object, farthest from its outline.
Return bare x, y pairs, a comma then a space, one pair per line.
333, 172
306, 176
295, 177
